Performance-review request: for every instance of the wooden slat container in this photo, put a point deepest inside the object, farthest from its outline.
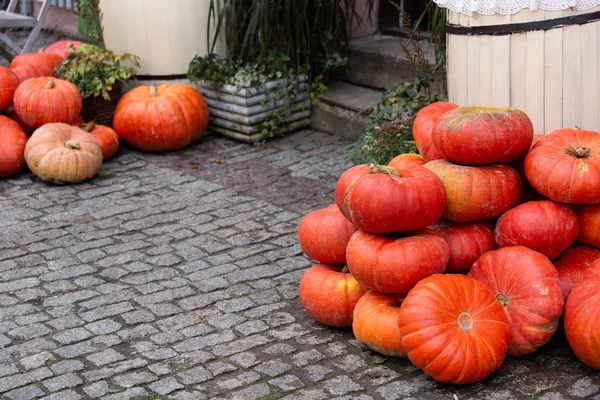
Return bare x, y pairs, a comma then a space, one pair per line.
551, 74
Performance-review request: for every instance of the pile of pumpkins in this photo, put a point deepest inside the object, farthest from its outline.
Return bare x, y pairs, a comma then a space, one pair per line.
41, 125
471, 251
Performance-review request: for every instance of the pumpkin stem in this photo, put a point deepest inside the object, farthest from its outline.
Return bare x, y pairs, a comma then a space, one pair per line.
384, 169
580, 152
69, 45
72, 144
50, 84
88, 127
465, 321
503, 299
153, 91
345, 269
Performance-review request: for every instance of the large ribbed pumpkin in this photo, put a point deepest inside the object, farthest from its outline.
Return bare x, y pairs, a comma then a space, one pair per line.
565, 166
423, 126
527, 285
8, 84
28, 71
476, 193
44, 100
482, 135
41, 59
589, 225
572, 265
161, 118
454, 329
12, 148
60, 153
582, 318
384, 199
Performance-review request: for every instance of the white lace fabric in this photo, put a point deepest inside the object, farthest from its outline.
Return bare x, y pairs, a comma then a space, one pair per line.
506, 7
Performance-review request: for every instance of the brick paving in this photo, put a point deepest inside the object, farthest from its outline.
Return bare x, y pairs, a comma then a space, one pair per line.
176, 275
173, 274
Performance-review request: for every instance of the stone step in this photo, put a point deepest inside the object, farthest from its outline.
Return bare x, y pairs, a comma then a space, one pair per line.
378, 61
338, 110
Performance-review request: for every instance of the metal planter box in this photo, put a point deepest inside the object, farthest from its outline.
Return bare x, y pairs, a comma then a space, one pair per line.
240, 113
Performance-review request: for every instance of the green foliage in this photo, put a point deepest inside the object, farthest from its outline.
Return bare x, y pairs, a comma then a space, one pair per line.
89, 20
95, 70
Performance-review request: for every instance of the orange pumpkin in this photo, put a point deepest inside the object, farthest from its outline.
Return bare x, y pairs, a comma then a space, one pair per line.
13, 141
8, 84
43, 100
27, 71
41, 59
161, 118
425, 120
401, 160
63, 47
60, 153
108, 138
589, 225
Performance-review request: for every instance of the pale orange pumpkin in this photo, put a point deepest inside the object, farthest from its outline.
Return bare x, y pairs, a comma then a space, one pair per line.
60, 153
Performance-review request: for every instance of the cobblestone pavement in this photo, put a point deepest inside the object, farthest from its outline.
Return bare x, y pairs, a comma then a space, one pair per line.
173, 274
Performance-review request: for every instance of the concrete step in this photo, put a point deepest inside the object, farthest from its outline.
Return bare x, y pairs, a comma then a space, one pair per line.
338, 110
378, 61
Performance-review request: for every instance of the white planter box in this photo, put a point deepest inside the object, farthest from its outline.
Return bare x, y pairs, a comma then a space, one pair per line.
240, 113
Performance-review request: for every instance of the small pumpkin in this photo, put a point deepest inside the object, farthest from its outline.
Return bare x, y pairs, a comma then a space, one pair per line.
27, 71
423, 125
572, 264
589, 225
161, 118
483, 135
467, 242
12, 150
108, 138
60, 153
395, 263
40, 59
63, 47
8, 84
527, 285
408, 158
43, 100
477, 193
454, 329
544, 226
329, 293
324, 234
582, 315
375, 323
565, 166
383, 199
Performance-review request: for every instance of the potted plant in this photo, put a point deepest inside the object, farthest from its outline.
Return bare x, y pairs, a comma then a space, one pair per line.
251, 101
99, 75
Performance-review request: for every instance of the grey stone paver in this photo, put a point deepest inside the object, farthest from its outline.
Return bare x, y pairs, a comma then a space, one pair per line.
172, 274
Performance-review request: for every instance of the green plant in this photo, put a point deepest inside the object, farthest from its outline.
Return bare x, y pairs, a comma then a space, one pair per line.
89, 20
388, 131
95, 70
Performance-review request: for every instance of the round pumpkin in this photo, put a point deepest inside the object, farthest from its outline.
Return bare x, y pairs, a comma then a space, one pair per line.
589, 225
27, 71
161, 118
482, 135
60, 153
329, 293
108, 138
572, 264
544, 226
383, 199
582, 317
565, 166
323, 235
395, 263
375, 323
63, 47
454, 329
467, 242
526, 284
477, 193
10, 113
39, 101
423, 126
8, 84
40, 59
13, 140
408, 158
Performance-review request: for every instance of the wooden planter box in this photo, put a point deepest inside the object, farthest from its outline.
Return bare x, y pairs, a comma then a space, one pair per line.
240, 113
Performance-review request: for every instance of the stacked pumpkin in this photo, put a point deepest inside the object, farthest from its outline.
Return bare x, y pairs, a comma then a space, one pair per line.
64, 149
428, 228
